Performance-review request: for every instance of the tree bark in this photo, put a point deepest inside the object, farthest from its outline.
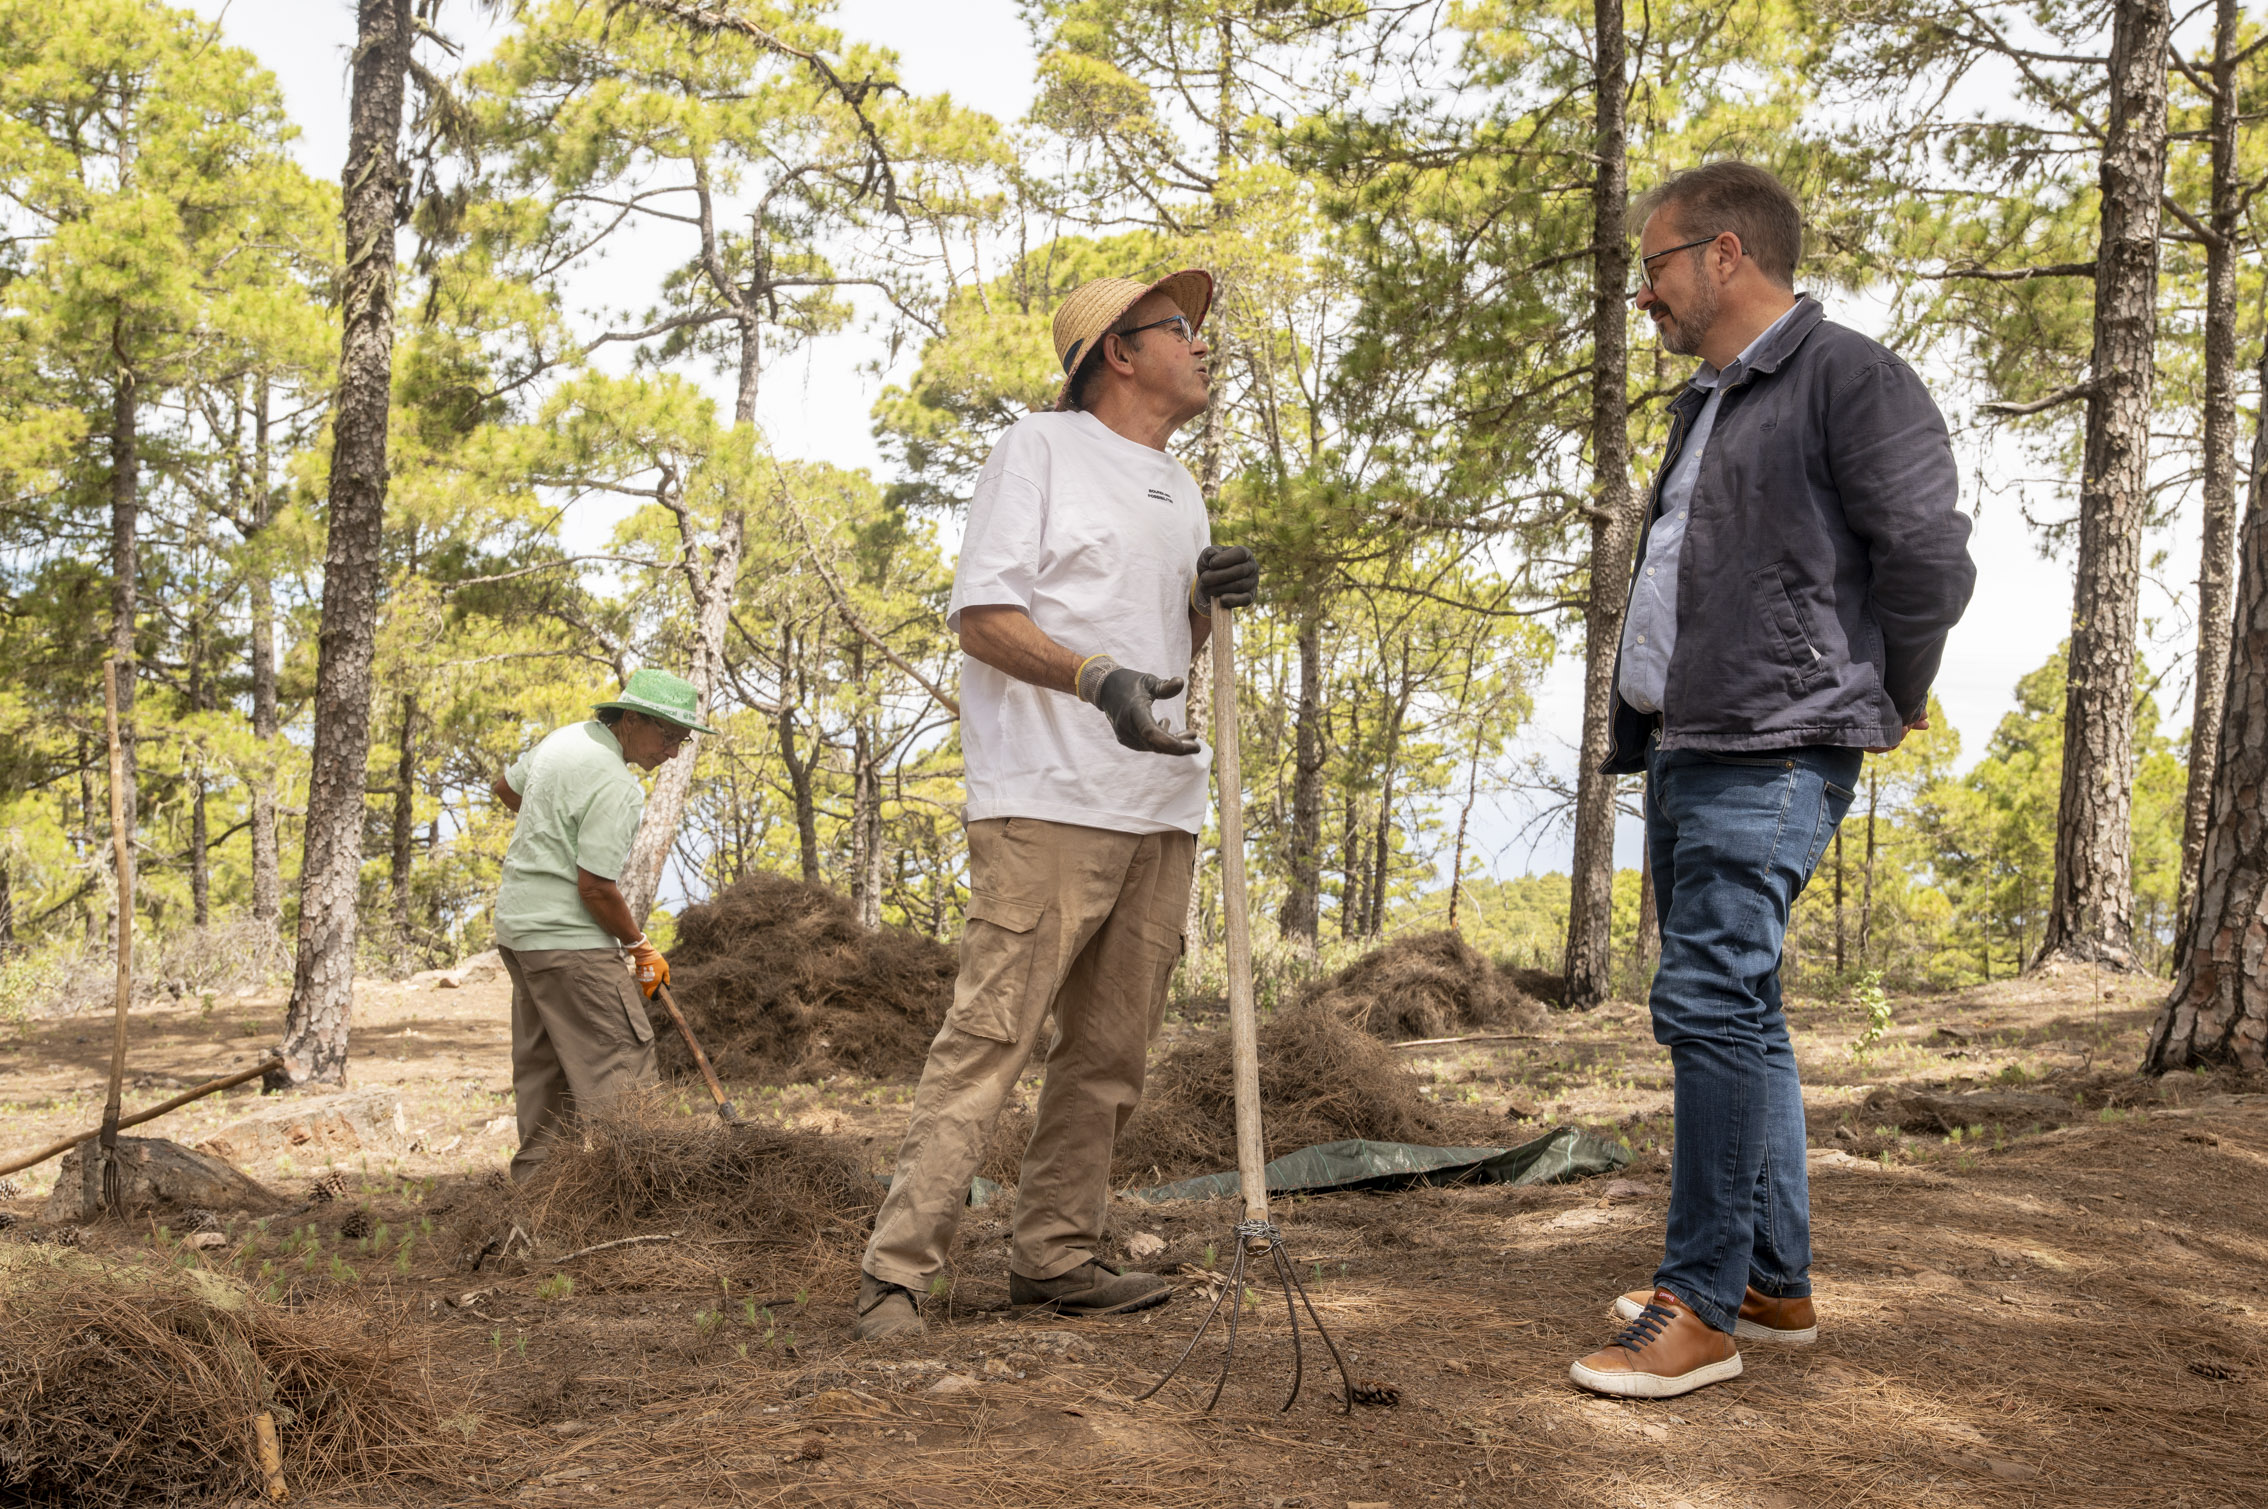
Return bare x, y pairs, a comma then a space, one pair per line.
2091, 915
267, 866
1302, 909
2218, 1011
322, 989
1590, 910
125, 568
799, 791
712, 585
405, 823
2225, 220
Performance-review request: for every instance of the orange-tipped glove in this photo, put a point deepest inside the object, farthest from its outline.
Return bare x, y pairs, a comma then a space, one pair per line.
648, 965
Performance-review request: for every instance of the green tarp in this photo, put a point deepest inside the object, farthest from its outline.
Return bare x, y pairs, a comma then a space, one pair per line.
1568, 1153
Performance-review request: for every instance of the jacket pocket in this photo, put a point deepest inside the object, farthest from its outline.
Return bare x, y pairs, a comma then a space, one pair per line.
999, 949
1806, 666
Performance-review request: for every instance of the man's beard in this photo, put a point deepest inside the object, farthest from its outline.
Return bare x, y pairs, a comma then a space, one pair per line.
1684, 329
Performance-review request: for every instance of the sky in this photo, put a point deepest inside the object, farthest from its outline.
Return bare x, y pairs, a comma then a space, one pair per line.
981, 52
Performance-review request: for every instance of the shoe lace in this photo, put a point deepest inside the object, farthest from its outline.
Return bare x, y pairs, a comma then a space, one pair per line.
1646, 1329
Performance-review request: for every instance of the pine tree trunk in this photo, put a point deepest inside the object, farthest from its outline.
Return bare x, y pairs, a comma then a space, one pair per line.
267, 866
799, 792
1301, 912
322, 986
713, 585
2218, 1011
125, 570
2090, 918
1590, 910
405, 824
2219, 532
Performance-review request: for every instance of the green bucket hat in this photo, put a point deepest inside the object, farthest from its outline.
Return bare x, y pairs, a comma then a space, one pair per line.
658, 694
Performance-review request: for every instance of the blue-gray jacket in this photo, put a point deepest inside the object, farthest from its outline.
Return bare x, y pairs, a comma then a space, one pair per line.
1824, 559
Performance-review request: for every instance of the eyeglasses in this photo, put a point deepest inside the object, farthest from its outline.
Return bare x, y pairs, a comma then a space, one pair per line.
1178, 324
1646, 278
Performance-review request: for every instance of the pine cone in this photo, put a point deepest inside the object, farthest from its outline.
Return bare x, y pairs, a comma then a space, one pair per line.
356, 1226
10, 1189
196, 1218
7, 1221
1371, 1391
332, 1186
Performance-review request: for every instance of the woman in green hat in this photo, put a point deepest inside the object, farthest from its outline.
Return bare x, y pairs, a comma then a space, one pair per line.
580, 1035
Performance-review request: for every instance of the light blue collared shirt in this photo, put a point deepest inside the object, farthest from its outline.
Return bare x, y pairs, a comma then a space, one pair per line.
1649, 627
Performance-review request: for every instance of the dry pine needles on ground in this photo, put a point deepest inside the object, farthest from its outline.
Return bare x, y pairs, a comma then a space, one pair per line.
640, 1165
781, 983
1425, 985
128, 1384
1321, 1080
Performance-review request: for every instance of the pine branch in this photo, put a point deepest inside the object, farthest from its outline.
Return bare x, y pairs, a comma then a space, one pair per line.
718, 20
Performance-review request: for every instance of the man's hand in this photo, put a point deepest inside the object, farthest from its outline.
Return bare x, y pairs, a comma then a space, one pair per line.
1226, 574
648, 965
1125, 696
1920, 724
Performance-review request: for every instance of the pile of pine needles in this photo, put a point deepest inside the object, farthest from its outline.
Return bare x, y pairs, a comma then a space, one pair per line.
782, 983
1426, 985
129, 1384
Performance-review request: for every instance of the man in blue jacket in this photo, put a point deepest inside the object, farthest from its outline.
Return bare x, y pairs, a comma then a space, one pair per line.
1802, 564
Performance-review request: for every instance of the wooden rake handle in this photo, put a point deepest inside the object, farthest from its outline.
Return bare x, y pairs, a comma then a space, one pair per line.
669, 1004
1244, 1023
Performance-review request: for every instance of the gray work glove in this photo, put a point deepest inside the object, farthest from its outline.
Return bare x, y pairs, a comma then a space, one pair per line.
1226, 574
1124, 696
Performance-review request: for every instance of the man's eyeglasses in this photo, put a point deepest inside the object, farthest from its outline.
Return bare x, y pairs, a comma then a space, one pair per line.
1178, 324
1646, 277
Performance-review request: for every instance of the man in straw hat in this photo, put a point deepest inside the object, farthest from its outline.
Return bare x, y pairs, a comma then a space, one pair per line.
1086, 573
580, 1036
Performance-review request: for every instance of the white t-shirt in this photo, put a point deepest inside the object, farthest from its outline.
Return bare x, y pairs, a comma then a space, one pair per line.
1096, 537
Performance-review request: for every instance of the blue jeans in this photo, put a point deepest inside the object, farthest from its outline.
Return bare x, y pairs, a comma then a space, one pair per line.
1732, 839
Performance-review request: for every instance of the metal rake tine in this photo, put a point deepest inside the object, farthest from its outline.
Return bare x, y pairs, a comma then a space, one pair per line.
1291, 1313
1202, 1328
1346, 1383
1236, 1304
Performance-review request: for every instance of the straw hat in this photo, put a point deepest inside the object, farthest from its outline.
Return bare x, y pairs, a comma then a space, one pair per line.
1086, 316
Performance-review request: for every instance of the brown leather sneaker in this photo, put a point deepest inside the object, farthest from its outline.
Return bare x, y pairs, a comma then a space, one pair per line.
1791, 1322
1668, 1350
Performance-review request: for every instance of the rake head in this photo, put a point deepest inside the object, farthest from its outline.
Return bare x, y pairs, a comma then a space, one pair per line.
1261, 1238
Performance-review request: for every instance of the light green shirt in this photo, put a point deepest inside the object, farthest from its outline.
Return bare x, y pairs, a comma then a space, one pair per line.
579, 806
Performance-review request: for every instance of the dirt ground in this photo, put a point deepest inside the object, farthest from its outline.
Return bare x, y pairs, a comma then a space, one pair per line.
2055, 1303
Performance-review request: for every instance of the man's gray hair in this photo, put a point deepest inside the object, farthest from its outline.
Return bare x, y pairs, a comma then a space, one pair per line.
1731, 196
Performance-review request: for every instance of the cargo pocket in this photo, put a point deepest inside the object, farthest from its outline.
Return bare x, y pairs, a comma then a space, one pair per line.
641, 1025
999, 950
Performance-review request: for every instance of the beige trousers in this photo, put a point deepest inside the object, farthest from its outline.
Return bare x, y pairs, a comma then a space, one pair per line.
1082, 919
580, 1037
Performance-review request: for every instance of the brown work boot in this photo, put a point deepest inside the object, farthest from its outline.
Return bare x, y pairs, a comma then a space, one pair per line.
1791, 1321
1090, 1289
1668, 1350
884, 1311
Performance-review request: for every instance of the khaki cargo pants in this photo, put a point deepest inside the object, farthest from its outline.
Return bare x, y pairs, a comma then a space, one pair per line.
1082, 919
580, 1037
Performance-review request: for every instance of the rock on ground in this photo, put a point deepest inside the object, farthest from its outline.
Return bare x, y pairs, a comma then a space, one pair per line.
347, 1122
155, 1174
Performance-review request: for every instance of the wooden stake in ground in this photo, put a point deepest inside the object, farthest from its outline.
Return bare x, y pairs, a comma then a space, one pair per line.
1256, 1236
103, 1189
